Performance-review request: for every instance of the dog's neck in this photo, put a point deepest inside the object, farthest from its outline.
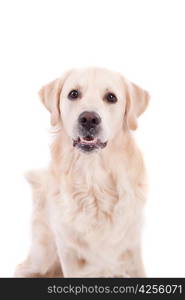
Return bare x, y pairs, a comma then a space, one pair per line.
65, 156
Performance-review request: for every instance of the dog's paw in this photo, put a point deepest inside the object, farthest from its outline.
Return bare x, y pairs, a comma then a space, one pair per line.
23, 271
20, 271
124, 275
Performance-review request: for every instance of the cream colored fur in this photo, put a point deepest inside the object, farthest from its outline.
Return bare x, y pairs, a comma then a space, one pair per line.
88, 208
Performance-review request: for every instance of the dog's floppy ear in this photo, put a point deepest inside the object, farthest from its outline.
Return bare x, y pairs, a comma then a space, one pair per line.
136, 102
50, 97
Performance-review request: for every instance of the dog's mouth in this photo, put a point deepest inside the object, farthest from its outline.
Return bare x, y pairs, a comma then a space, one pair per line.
89, 143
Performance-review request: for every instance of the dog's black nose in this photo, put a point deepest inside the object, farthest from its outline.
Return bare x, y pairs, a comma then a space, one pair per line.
89, 119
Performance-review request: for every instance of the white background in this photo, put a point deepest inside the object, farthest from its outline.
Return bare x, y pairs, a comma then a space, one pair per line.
142, 39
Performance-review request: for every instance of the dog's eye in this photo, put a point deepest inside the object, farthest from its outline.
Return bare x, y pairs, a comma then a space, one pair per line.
110, 97
74, 94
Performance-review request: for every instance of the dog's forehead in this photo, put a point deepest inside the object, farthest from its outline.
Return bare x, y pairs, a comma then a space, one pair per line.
94, 78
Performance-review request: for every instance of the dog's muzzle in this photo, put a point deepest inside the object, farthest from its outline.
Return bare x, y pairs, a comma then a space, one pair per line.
89, 127
89, 123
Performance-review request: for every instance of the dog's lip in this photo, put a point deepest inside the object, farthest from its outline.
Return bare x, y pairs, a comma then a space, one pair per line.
89, 141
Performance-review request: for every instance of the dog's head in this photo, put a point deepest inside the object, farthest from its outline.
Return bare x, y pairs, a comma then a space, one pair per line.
93, 105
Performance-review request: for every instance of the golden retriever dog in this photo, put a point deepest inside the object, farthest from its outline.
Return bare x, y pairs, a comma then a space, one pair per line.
88, 204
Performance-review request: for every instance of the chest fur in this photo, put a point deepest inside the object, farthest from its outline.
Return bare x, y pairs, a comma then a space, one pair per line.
97, 205
91, 198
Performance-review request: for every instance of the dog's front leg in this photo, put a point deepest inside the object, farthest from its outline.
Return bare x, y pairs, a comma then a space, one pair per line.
133, 262
72, 260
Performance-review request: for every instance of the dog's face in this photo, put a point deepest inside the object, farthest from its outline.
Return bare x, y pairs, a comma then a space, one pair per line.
93, 106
